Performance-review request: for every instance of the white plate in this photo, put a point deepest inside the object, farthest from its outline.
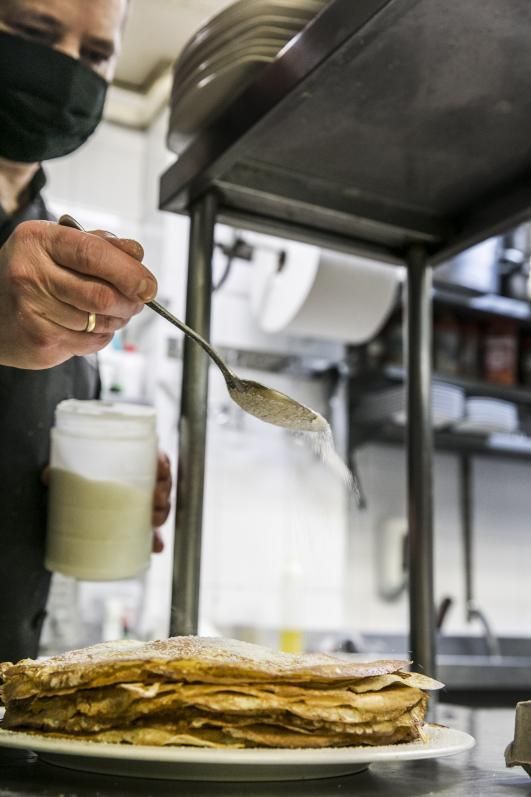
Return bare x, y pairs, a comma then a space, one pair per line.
256, 36
225, 59
243, 10
205, 101
191, 763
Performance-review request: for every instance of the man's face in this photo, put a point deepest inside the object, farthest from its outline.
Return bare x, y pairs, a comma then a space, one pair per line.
89, 30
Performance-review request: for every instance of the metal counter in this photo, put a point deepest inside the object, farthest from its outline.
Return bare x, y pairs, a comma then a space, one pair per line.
478, 773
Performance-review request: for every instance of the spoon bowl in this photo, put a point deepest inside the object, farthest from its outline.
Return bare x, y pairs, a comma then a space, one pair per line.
274, 407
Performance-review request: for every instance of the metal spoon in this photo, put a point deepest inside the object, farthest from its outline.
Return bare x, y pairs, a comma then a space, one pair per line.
265, 403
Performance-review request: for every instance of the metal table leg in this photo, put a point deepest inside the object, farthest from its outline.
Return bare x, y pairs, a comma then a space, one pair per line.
466, 506
419, 461
192, 424
473, 612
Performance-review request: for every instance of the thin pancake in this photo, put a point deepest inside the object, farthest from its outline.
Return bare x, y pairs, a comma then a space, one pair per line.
204, 659
209, 732
112, 706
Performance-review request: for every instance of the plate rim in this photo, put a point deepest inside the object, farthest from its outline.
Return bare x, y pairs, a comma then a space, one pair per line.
458, 742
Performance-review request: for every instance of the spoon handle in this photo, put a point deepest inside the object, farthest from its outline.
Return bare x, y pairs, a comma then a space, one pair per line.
212, 353
69, 221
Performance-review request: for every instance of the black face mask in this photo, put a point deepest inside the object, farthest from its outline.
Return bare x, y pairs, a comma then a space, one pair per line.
49, 103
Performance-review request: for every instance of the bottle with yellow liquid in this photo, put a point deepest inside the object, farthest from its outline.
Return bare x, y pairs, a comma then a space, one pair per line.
291, 636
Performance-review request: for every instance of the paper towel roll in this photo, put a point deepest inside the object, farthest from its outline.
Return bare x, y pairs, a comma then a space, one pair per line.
325, 294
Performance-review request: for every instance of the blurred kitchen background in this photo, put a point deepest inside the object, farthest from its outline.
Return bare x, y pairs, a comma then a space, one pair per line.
285, 546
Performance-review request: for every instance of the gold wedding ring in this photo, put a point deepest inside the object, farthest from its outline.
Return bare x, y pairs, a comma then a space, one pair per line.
91, 322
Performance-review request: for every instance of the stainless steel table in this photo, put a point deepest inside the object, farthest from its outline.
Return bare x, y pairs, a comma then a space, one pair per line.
479, 773
394, 128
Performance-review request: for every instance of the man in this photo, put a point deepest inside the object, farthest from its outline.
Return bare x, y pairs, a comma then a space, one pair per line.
63, 293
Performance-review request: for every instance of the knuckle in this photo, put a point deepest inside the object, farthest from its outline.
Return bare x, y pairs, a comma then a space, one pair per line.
27, 232
110, 324
95, 342
102, 296
35, 336
105, 323
103, 338
21, 255
89, 253
19, 275
39, 339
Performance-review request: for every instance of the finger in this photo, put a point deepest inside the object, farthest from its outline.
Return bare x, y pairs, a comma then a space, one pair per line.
81, 343
69, 343
90, 295
95, 256
127, 245
45, 344
132, 247
158, 542
163, 467
45, 476
160, 516
161, 494
76, 320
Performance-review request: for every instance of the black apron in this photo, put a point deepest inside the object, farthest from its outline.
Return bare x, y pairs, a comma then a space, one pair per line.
27, 403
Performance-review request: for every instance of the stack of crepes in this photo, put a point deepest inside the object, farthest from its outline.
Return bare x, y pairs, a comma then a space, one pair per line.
212, 692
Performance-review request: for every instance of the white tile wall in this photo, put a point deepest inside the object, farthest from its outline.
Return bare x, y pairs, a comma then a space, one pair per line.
105, 178
502, 542
271, 506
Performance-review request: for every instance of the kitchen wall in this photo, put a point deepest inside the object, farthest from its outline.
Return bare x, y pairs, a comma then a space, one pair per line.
277, 523
502, 542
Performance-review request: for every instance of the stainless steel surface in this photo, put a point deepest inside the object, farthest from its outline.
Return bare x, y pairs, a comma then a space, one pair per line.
419, 461
465, 662
478, 773
192, 424
452, 168
491, 640
466, 501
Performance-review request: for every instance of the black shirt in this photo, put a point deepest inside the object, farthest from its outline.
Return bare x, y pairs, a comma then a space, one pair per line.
34, 209
27, 404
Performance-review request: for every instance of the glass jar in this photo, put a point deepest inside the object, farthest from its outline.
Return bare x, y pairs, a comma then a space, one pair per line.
102, 476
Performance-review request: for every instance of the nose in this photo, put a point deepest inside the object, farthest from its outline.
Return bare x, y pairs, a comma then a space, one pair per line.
70, 45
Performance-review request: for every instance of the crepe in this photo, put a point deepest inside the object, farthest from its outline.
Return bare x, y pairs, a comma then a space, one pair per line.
215, 692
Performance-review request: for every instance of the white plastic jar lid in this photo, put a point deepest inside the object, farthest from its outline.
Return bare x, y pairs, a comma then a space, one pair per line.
107, 418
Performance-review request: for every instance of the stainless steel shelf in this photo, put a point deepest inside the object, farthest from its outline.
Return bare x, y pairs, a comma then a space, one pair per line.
517, 395
385, 123
484, 305
449, 441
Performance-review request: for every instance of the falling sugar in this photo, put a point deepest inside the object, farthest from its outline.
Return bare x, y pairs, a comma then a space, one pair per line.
274, 407
322, 444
